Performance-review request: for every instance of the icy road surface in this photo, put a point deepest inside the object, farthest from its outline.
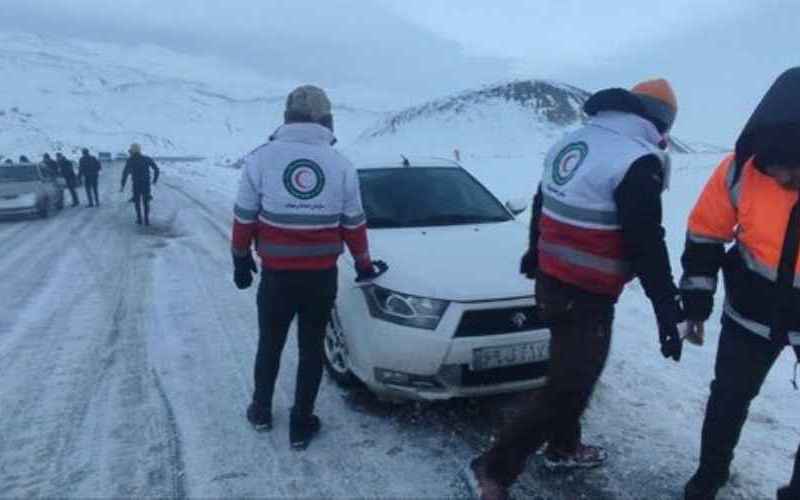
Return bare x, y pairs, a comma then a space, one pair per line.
125, 370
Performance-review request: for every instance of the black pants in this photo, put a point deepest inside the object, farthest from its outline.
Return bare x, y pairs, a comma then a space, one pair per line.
71, 187
91, 190
282, 295
141, 200
743, 361
580, 331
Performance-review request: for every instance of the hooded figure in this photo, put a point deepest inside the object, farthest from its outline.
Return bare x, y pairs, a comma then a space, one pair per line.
761, 269
596, 224
138, 168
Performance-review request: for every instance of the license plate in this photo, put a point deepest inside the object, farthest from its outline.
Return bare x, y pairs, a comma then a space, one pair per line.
487, 358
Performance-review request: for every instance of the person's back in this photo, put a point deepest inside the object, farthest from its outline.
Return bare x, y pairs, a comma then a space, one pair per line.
89, 170
67, 171
138, 167
300, 202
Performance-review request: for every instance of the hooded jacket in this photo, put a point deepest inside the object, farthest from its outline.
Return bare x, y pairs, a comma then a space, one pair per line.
743, 206
138, 167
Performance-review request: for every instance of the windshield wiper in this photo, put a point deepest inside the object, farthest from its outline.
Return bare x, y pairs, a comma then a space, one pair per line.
453, 219
384, 222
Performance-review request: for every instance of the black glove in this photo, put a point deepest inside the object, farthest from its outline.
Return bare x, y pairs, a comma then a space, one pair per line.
669, 314
375, 269
243, 269
529, 264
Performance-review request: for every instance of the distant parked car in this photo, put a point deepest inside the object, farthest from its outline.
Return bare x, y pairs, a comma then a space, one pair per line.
104, 156
28, 189
121, 156
452, 317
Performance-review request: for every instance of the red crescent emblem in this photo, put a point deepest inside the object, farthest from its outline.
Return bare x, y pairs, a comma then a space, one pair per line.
299, 177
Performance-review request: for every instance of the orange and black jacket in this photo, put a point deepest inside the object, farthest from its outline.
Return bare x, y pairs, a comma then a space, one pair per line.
743, 206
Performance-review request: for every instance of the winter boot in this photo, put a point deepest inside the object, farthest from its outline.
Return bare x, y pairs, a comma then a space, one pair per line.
302, 430
584, 457
481, 485
788, 493
704, 486
259, 418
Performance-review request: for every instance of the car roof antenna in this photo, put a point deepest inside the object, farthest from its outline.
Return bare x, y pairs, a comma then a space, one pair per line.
406, 163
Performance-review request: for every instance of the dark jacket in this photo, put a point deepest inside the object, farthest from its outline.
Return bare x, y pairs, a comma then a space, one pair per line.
67, 170
89, 167
138, 168
51, 166
762, 281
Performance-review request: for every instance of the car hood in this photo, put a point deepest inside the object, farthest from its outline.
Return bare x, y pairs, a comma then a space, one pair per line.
457, 263
12, 188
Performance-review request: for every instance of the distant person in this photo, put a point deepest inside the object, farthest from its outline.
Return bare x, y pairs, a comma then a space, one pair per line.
50, 165
24, 159
67, 171
751, 201
89, 169
596, 224
288, 188
138, 167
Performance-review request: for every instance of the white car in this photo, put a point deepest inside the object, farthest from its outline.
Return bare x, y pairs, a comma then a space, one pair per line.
452, 317
28, 189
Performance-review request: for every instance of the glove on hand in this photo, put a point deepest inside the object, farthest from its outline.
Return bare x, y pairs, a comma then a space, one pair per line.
375, 269
669, 315
243, 269
529, 264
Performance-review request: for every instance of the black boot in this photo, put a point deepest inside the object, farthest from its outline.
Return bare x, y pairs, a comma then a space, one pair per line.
302, 430
259, 417
704, 486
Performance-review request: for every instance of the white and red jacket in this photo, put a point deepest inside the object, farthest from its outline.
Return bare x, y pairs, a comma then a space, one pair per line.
299, 201
583, 237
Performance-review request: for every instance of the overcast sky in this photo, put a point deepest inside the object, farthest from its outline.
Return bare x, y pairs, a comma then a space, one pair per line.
721, 55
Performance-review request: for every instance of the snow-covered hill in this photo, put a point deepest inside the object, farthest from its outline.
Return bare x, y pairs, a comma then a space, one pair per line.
63, 94
506, 120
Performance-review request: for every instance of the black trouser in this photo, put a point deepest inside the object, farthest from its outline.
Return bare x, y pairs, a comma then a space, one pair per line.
282, 295
580, 329
141, 199
90, 183
71, 187
743, 361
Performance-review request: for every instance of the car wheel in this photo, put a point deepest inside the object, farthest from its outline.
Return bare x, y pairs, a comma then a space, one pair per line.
337, 359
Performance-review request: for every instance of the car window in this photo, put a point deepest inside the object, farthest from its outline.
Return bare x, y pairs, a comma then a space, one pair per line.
19, 174
426, 196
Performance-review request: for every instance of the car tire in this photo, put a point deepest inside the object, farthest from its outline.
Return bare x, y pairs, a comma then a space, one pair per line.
337, 359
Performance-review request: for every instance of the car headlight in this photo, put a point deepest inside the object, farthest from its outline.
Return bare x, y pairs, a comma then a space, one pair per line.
27, 199
402, 309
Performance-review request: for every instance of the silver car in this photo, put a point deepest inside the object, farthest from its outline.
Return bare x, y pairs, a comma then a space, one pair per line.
28, 189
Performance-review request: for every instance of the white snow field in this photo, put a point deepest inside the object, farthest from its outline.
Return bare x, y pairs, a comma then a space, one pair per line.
126, 352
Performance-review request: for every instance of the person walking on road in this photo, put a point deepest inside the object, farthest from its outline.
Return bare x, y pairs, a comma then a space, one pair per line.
753, 201
138, 168
596, 224
89, 169
299, 201
67, 171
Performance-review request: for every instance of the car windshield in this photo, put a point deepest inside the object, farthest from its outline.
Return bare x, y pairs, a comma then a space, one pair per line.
426, 196
18, 174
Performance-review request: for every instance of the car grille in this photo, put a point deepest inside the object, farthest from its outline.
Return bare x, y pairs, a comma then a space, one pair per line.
480, 323
503, 375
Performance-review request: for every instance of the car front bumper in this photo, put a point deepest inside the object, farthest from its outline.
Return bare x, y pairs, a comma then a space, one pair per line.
398, 362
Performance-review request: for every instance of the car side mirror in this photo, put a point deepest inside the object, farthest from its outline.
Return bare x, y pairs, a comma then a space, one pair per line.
517, 206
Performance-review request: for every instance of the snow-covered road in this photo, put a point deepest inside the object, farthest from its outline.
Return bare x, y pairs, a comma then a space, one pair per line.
125, 370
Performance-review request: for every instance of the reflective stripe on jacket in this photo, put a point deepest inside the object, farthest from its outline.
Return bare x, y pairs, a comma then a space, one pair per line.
580, 235
744, 206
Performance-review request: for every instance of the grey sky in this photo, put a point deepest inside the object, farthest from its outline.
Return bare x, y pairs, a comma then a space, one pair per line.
720, 54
